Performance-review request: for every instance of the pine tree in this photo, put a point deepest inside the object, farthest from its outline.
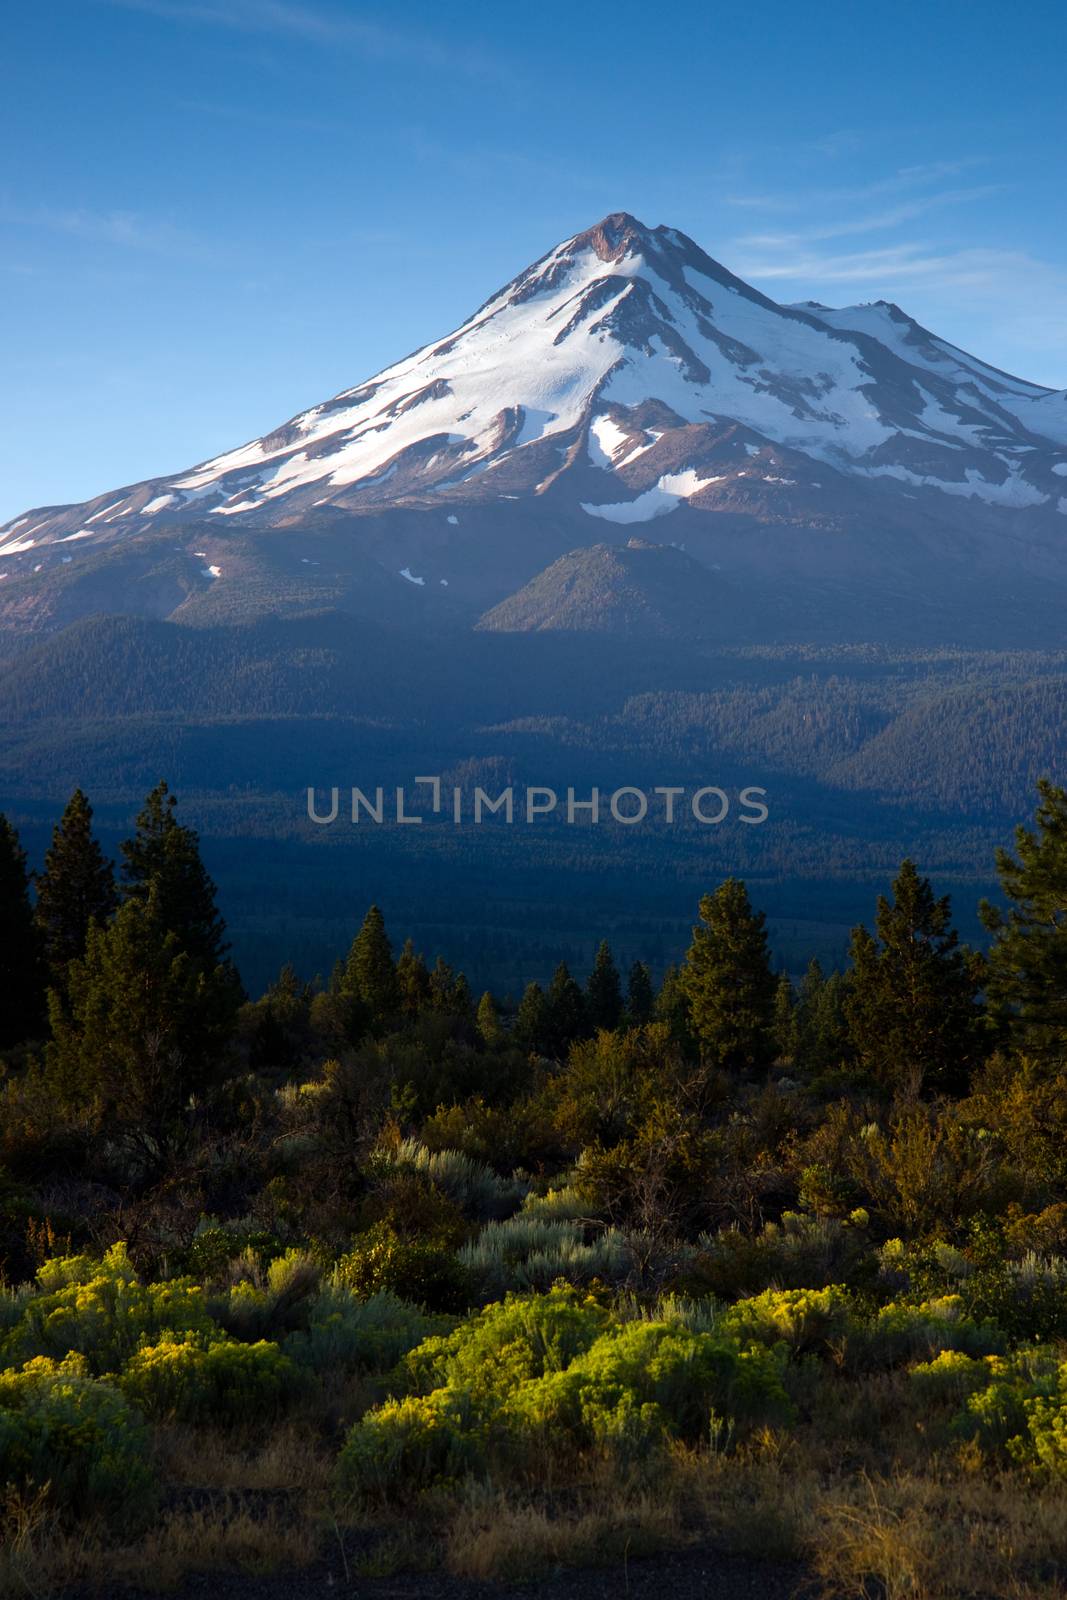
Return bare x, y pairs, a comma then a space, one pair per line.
164, 856
370, 972
566, 1017
142, 1026
77, 887
785, 1018
672, 1007
603, 992
446, 989
822, 1041
22, 974
640, 999
488, 1020
413, 980
912, 1009
531, 1019
729, 984
1028, 957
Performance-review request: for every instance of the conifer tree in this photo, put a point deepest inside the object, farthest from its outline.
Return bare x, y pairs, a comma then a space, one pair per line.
822, 1040
143, 1026
413, 980
22, 975
566, 1016
370, 972
488, 1020
785, 1019
1028, 958
77, 887
912, 1009
531, 1019
640, 998
164, 855
672, 1007
443, 986
603, 992
728, 982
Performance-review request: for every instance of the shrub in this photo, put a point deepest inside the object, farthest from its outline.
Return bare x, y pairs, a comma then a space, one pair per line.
406, 1445
269, 1303
188, 1380
423, 1273
474, 1187
523, 1337
557, 1374
952, 1375
900, 1333
80, 1436
352, 1335
532, 1250
646, 1381
1021, 1410
100, 1310
805, 1320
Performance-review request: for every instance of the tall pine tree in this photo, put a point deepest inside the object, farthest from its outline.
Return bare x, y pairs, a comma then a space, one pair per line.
729, 984
531, 1019
912, 1007
143, 1026
413, 980
22, 973
76, 888
603, 991
566, 1017
640, 996
1027, 981
164, 856
370, 972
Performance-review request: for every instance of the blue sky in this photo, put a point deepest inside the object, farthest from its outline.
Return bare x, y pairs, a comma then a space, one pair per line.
216, 212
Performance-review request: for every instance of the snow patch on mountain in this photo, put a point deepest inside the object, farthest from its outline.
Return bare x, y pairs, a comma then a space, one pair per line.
667, 493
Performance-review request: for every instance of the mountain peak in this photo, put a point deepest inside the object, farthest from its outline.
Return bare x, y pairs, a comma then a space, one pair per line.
614, 235
624, 377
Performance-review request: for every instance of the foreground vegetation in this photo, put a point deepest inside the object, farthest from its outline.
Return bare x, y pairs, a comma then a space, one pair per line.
365, 1266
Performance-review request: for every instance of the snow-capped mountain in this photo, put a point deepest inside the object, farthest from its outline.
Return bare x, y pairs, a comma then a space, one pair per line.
625, 378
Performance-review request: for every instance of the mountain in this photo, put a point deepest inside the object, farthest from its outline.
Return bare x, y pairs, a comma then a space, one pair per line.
635, 591
866, 476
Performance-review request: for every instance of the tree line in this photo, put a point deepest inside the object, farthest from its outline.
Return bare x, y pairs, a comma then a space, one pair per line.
120, 988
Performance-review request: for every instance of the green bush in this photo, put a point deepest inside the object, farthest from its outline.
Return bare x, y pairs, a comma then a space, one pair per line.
952, 1375
506, 1344
188, 1380
557, 1375
59, 1426
532, 1250
805, 1320
646, 1381
901, 1333
100, 1310
425, 1274
1021, 1411
407, 1445
347, 1334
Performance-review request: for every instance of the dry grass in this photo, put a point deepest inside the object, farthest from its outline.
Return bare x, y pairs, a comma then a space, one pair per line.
227, 1537
495, 1537
293, 1458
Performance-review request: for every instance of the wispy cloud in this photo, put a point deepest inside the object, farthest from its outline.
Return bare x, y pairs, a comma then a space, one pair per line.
901, 181
871, 223
127, 230
331, 29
